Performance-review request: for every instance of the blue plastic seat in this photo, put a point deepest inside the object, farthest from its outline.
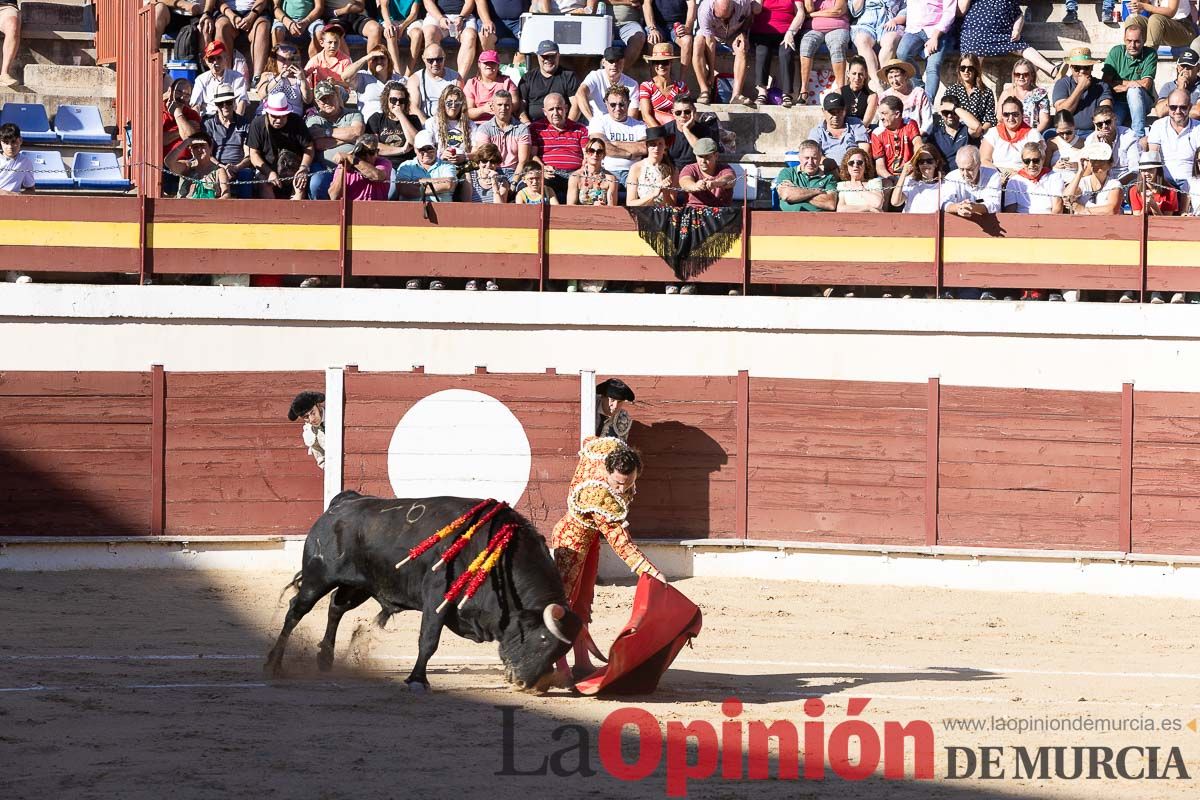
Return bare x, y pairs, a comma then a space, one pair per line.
33, 121
81, 125
98, 171
49, 172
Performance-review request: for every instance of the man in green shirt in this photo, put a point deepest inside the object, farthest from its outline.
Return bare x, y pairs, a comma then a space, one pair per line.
1129, 70
806, 187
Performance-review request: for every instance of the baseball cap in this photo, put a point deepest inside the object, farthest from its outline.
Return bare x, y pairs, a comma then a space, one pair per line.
834, 102
424, 139
614, 54
223, 92
1188, 58
489, 57
546, 47
324, 88
277, 105
214, 49
704, 147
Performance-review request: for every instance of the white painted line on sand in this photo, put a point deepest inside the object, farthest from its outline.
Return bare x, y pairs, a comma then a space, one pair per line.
934, 671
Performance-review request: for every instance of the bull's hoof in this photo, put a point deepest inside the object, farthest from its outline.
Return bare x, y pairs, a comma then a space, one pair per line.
325, 660
272, 670
418, 687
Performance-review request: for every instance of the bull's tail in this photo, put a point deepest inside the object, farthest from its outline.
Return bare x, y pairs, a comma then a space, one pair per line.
293, 586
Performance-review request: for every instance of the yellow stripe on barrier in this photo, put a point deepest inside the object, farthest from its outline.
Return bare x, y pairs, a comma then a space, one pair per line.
431, 239
1171, 254
241, 236
58, 233
1052, 252
874, 250
612, 243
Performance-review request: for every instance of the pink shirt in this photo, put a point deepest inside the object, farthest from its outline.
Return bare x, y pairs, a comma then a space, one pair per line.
480, 94
319, 68
823, 24
776, 16
359, 188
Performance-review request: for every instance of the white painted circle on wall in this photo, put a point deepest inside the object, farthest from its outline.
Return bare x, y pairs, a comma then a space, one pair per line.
460, 443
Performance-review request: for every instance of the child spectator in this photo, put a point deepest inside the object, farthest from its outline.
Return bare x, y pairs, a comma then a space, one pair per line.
16, 167
534, 192
330, 61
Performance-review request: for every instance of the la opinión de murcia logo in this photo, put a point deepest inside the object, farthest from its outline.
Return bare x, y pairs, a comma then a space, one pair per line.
694, 750
632, 744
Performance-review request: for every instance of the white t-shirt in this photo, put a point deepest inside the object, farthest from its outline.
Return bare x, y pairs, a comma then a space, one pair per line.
631, 130
205, 89
1071, 152
1092, 198
1182, 12
1191, 185
921, 198
241, 6
1007, 155
370, 90
1033, 198
1126, 152
1178, 149
432, 88
16, 173
958, 190
597, 84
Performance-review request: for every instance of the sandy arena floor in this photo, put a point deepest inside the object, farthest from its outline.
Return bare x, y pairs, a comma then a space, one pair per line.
148, 685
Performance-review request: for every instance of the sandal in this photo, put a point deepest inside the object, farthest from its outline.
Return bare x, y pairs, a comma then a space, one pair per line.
741, 100
762, 97
703, 99
804, 97
787, 101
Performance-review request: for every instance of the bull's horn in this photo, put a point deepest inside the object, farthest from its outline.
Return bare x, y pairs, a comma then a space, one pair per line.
551, 615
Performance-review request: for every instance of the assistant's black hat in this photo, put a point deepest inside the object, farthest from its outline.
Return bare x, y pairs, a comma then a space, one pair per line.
615, 388
304, 403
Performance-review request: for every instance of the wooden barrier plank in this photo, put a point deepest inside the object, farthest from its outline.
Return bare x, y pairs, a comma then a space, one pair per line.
1165, 404
1030, 402
247, 436
258, 385
1029, 503
69, 209
821, 497
837, 526
839, 394
1167, 480
50, 258
1165, 537
74, 384
223, 517
1027, 476
838, 445
1004, 427
262, 487
112, 410
778, 418
375, 386
782, 471
67, 465
74, 436
972, 529
1102, 455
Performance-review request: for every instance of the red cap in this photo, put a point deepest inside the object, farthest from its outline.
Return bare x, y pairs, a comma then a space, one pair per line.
214, 49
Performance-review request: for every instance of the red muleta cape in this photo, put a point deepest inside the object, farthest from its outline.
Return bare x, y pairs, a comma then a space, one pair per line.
662, 622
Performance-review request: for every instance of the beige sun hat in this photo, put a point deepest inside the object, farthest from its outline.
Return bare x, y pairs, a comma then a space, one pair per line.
663, 51
895, 63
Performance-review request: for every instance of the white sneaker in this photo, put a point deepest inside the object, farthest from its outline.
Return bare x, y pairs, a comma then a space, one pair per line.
1127, 297
472, 286
1177, 298
734, 292
413, 283
23, 279
436, 284
1156, 298
492, 286
1071, 295
687, 288
671, 289
572, 286
310, 283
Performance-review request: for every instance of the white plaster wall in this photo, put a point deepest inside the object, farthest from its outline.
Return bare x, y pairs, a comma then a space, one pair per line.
1036, 345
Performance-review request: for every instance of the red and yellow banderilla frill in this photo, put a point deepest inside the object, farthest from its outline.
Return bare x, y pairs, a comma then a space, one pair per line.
593, 510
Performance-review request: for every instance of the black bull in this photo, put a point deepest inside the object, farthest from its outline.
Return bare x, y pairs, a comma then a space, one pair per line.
352, 551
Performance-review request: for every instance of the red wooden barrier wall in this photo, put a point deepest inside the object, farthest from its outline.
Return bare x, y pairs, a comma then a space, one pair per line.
547, 406
1029, 468
234, 463
686, 430
75, 453
837, 461
1166, 473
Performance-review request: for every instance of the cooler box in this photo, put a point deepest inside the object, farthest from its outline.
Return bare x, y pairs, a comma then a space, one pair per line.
575, 35
183, 69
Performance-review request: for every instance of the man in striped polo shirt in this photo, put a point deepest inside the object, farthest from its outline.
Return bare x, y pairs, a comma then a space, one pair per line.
559, 142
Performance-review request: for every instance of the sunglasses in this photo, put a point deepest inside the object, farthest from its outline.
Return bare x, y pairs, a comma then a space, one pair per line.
967, 68
596, 151
1031, 160
617, 105
679, 112
435, 60
1102, 123
924, 161
947, 112
858, 162
1022, 74
1178, 108
1010, 113
220, 103
397, 101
